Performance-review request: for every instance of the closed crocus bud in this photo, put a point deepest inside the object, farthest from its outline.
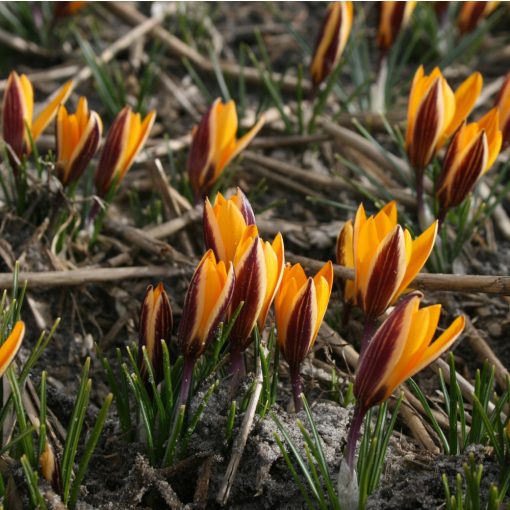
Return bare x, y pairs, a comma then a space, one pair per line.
393, 17
156, 323
225, 222
435, 113
17, 114
63, 9
300, 306
50, 468
214, 145
471, 13
126, 138
11, 345
471, 153
250, 289
386, 258
345, 257
402, 346
431, 109
331, 41
205, 305
78, 137
503, 105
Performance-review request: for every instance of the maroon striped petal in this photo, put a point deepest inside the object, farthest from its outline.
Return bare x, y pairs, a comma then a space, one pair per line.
250, 289
453, 189
385, 274
300, 328
245, 207
426, 128
114, 147
156, 324
13, 121
199, 155
385, 347
86, 149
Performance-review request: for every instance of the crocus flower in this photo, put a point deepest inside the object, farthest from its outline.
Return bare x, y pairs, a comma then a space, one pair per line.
11, 345
384, 256
126, 138
224, 224
331, 41
503, 104
63, 9
435, 113
471, 13
156, 323
393, 17
471, 153
249, 289
206, 302
18, 108
401, 347
300, 306
214, 145
258, 267
78, 137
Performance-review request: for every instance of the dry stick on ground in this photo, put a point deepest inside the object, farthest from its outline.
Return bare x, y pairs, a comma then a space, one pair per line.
427, 281
173, 226
181, 50
323, 182
240, 441
20, 45
144, 241
152, 476
45, 279
81, 74
484, 352
171, 204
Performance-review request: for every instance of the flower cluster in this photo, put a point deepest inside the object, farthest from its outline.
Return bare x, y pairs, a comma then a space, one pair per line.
237, 280
78, 135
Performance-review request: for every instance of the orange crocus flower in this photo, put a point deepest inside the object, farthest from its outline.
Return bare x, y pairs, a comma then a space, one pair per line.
18, 121
331, 41
402, 346
471, 153
214, 145
384, 256
126, 138
300, 305
78, 137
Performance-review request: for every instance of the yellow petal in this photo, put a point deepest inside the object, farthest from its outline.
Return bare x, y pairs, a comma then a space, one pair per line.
490, 123
275, 262
137, 136
50, 110
11, 346
439, 346
465, 99
421, 249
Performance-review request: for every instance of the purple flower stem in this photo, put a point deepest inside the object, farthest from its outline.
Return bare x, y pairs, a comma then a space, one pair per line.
187, 374
368, 331
297, 389
237, 369
353, 437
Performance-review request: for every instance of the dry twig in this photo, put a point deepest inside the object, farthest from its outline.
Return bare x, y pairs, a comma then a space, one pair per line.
497, 284
240, 441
